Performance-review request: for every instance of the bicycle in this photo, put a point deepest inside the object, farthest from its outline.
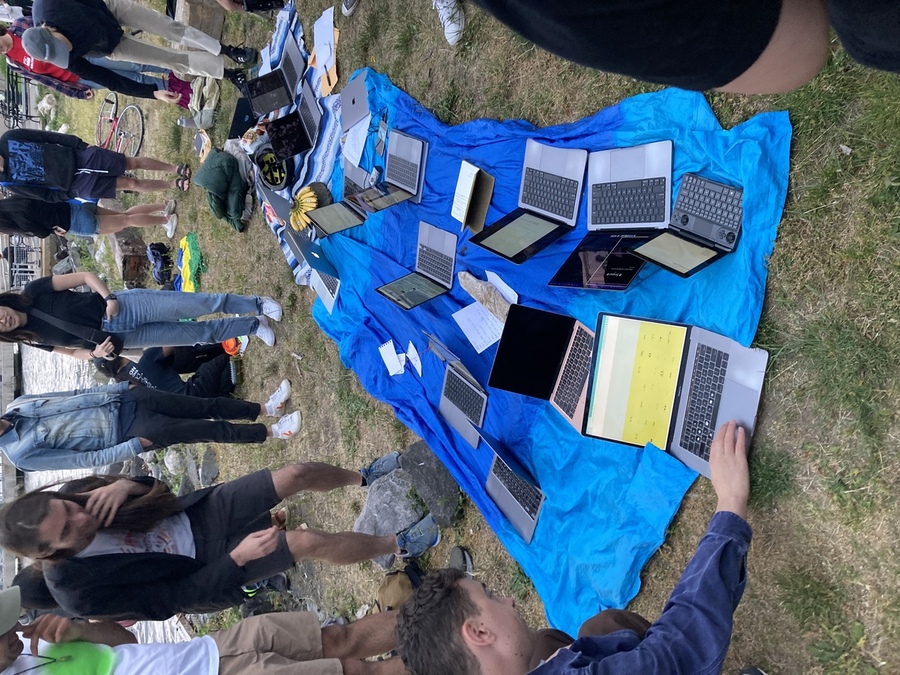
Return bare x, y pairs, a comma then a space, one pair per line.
126, 127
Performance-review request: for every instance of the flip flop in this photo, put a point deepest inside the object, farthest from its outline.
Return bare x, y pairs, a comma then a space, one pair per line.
184, 170
183, 183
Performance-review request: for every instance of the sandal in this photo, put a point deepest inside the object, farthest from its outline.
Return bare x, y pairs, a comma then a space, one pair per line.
183, 183
184, 170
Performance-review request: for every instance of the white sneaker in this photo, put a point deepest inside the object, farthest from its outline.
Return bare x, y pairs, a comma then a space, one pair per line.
349, 6
270, 308
170, 225
264, 332
287, 426
171, 205
275, 404
452, 19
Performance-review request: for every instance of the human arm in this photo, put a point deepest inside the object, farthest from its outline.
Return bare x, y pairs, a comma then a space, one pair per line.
55, 629
37, 136
71, 89
29, 457
104, 502
66, 282
110, 79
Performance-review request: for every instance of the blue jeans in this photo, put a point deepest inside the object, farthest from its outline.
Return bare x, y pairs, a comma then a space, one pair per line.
133, 71
149, 318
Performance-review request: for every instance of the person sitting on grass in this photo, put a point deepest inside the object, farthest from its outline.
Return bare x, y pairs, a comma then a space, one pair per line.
118, 548
271, 644
58, 167
483, 634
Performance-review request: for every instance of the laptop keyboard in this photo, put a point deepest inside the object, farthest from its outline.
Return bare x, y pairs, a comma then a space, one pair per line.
402, 172
528, 496
436, 264
331, 283
719, 204
704, 396
633, 201
309, 123
461, 394
550, 192
575, 372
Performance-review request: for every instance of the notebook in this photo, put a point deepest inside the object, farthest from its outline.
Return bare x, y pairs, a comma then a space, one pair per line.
670, 384
435, 259
513, 488
549, 198
630, 187
405, 163
547, 356
277, 88
296, 131
463, 401
602, 261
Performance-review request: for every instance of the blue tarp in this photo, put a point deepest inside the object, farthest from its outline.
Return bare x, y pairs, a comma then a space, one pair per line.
608, 505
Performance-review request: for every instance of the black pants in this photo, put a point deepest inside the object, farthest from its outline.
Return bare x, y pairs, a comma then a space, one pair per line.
212, 378
167, 419
869, 31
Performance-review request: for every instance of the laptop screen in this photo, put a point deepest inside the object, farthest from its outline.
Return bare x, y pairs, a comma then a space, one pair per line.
636, 371
675, 253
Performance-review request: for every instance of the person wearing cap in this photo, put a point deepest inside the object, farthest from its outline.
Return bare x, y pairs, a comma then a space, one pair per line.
66, 31
271, 644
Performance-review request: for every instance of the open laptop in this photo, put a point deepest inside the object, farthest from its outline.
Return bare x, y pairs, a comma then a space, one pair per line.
407, 157
513, 488
277, 88
298, 130
547, 356
670, 384
435, 259
630, 187
549, 199
463, 401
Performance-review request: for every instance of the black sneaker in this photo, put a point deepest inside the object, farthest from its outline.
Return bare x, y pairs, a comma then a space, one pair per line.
242, 55
237, 77
461, 560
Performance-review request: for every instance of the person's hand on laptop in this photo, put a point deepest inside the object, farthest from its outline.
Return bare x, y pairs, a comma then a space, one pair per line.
728, 466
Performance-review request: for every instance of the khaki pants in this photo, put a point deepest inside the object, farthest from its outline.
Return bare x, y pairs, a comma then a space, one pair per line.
283, 643
206, 62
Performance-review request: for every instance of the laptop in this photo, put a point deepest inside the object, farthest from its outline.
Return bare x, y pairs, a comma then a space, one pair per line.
602, 261
435, 259
463, 401
670, 384
407, 157
354, 103
298, 130
547, 356
242, 119
513, 488
277, 88
549, 199
630, 187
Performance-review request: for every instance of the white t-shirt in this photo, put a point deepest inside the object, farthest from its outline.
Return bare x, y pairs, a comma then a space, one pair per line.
171, 535
195, 657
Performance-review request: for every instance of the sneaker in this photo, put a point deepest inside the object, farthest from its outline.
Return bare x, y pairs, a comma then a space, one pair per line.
275, 404
270, 308
280, 583
242, 55
414, 541
380, 467
452, 19
170, 225
460, 559
264, 332
349, 6
287, 426
171, 205
237, 77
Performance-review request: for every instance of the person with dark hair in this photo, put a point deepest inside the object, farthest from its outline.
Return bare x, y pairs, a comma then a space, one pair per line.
48, 315
483, 634
108, 424
762, 47
119, 548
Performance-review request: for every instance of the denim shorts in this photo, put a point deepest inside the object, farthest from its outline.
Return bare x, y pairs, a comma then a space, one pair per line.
83, 221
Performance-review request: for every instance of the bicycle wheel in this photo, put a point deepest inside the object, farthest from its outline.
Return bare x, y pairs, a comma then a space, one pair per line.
106, 120
130, 131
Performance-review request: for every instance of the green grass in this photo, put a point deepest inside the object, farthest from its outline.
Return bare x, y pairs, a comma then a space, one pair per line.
772, 476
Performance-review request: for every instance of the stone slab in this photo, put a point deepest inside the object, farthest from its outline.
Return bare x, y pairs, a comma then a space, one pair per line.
432, 482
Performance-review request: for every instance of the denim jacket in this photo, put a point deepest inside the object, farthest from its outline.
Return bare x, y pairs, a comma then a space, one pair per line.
68, 430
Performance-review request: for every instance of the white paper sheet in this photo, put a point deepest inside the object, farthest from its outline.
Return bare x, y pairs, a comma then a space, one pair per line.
508, 293
323, 35
480, 326
391, 359
463, 192
355, 140
412, 354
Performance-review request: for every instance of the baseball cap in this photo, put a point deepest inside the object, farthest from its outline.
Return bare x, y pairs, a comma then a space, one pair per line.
42, 45
10, 608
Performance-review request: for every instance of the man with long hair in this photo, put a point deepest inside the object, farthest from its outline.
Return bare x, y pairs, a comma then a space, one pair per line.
118, 548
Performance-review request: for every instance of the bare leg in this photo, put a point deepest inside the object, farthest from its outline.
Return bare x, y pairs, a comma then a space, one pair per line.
141, 185
133, 163
338, 548
146, 208
315, 476
113, 224
370, 636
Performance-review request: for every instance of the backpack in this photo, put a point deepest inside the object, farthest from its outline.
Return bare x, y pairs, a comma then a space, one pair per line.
160, 258
396, 587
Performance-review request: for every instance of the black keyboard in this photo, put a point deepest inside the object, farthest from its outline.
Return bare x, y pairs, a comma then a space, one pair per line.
330, 282
461, 394
575, 372
439, 266
528, 496
308, 122
719, 205
633, 201
402, 172
704, 397
549, 192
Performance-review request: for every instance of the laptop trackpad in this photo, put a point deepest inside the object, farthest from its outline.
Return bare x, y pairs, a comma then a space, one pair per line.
627, 165
739, 403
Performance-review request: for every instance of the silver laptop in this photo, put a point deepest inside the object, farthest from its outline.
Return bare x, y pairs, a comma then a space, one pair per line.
552, 180
463, 401
405, 164
670, 384
435, 260
354, 102
630, 187
513, 488
278, 87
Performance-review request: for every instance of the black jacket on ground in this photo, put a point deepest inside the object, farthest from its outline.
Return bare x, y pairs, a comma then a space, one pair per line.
22, 215
40, 164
